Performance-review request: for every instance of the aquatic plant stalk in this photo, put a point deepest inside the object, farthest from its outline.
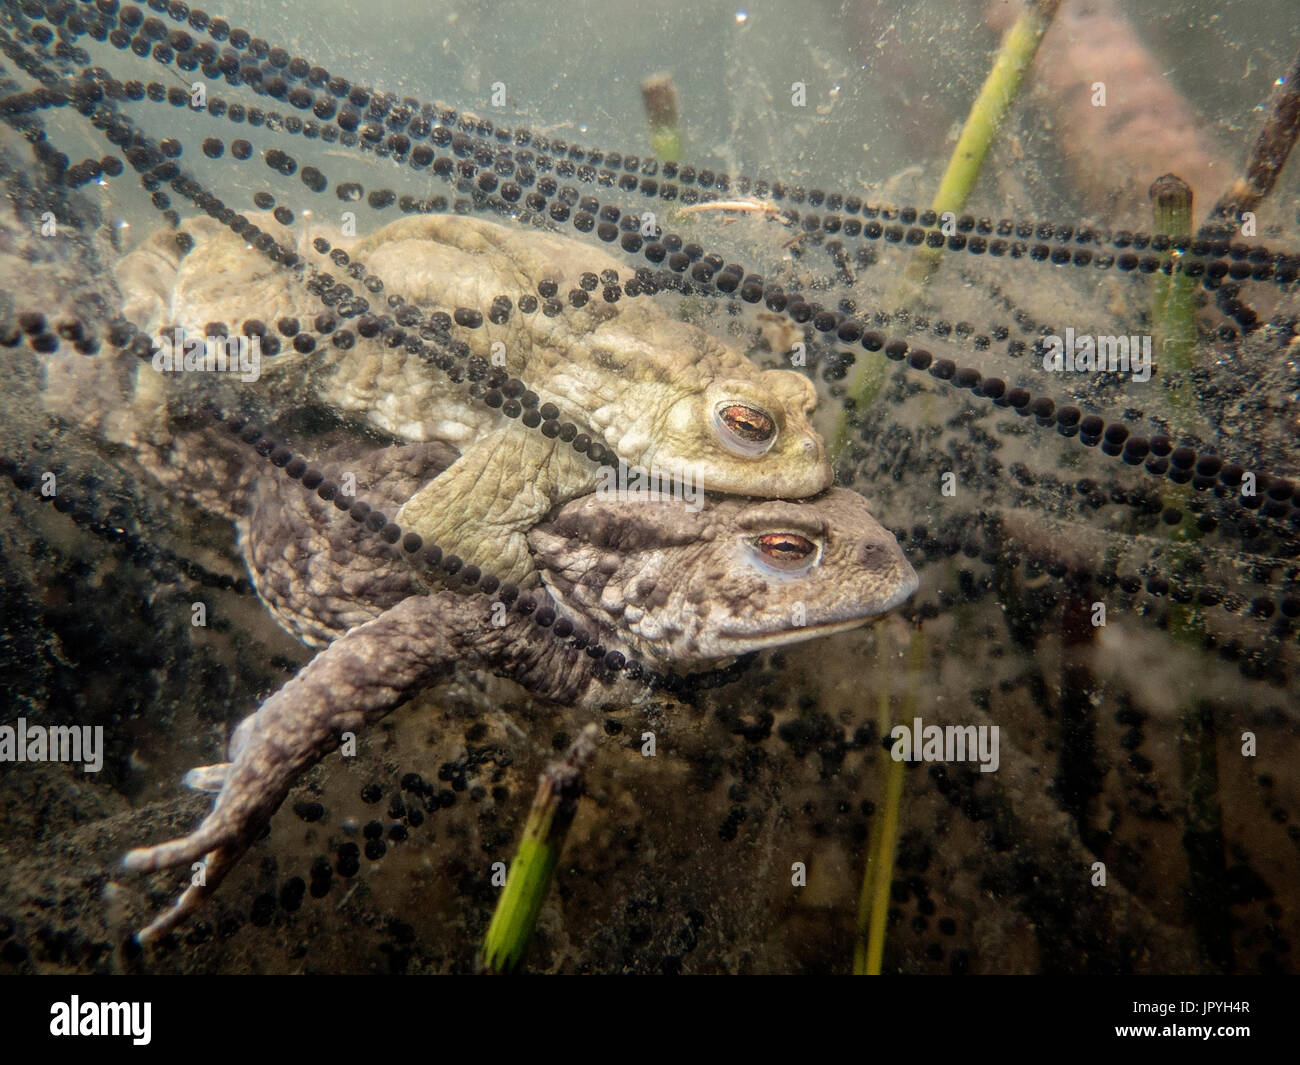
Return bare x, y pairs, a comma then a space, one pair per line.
873, 902
529, 879
1174, 312
1207, 895
1174, 318
659, 95
985, 119
982, 124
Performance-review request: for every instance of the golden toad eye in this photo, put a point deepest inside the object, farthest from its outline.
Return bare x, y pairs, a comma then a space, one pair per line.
786, 551
744, 428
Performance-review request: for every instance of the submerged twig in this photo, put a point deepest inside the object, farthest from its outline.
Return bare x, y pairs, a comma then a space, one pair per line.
767, 209
1268, 155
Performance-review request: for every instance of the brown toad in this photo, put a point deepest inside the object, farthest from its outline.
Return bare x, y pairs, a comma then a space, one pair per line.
652, 579
658, 392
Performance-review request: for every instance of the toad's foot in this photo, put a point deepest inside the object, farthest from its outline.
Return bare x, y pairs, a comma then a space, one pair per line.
355, 681
215, 867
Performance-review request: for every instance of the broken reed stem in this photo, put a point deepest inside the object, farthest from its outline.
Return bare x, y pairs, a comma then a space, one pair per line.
659, 95
878, 878
529, 879
1019, 46
1174, 312
1267, 156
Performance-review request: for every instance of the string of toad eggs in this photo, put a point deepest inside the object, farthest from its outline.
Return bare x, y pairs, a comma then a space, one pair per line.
275, 76
31, 326
278, 75
159, 92
513, 389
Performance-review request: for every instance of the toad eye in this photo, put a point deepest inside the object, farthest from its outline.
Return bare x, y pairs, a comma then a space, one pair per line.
743, 428
787, 552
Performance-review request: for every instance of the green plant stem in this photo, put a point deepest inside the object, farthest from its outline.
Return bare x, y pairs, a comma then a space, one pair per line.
529, 879
873, 902
1000, 88
1208, 904
1174, 312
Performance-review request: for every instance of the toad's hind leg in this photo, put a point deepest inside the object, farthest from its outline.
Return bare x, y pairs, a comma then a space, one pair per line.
358, 679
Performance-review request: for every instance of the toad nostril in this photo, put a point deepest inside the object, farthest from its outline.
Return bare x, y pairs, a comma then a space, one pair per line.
871, 554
